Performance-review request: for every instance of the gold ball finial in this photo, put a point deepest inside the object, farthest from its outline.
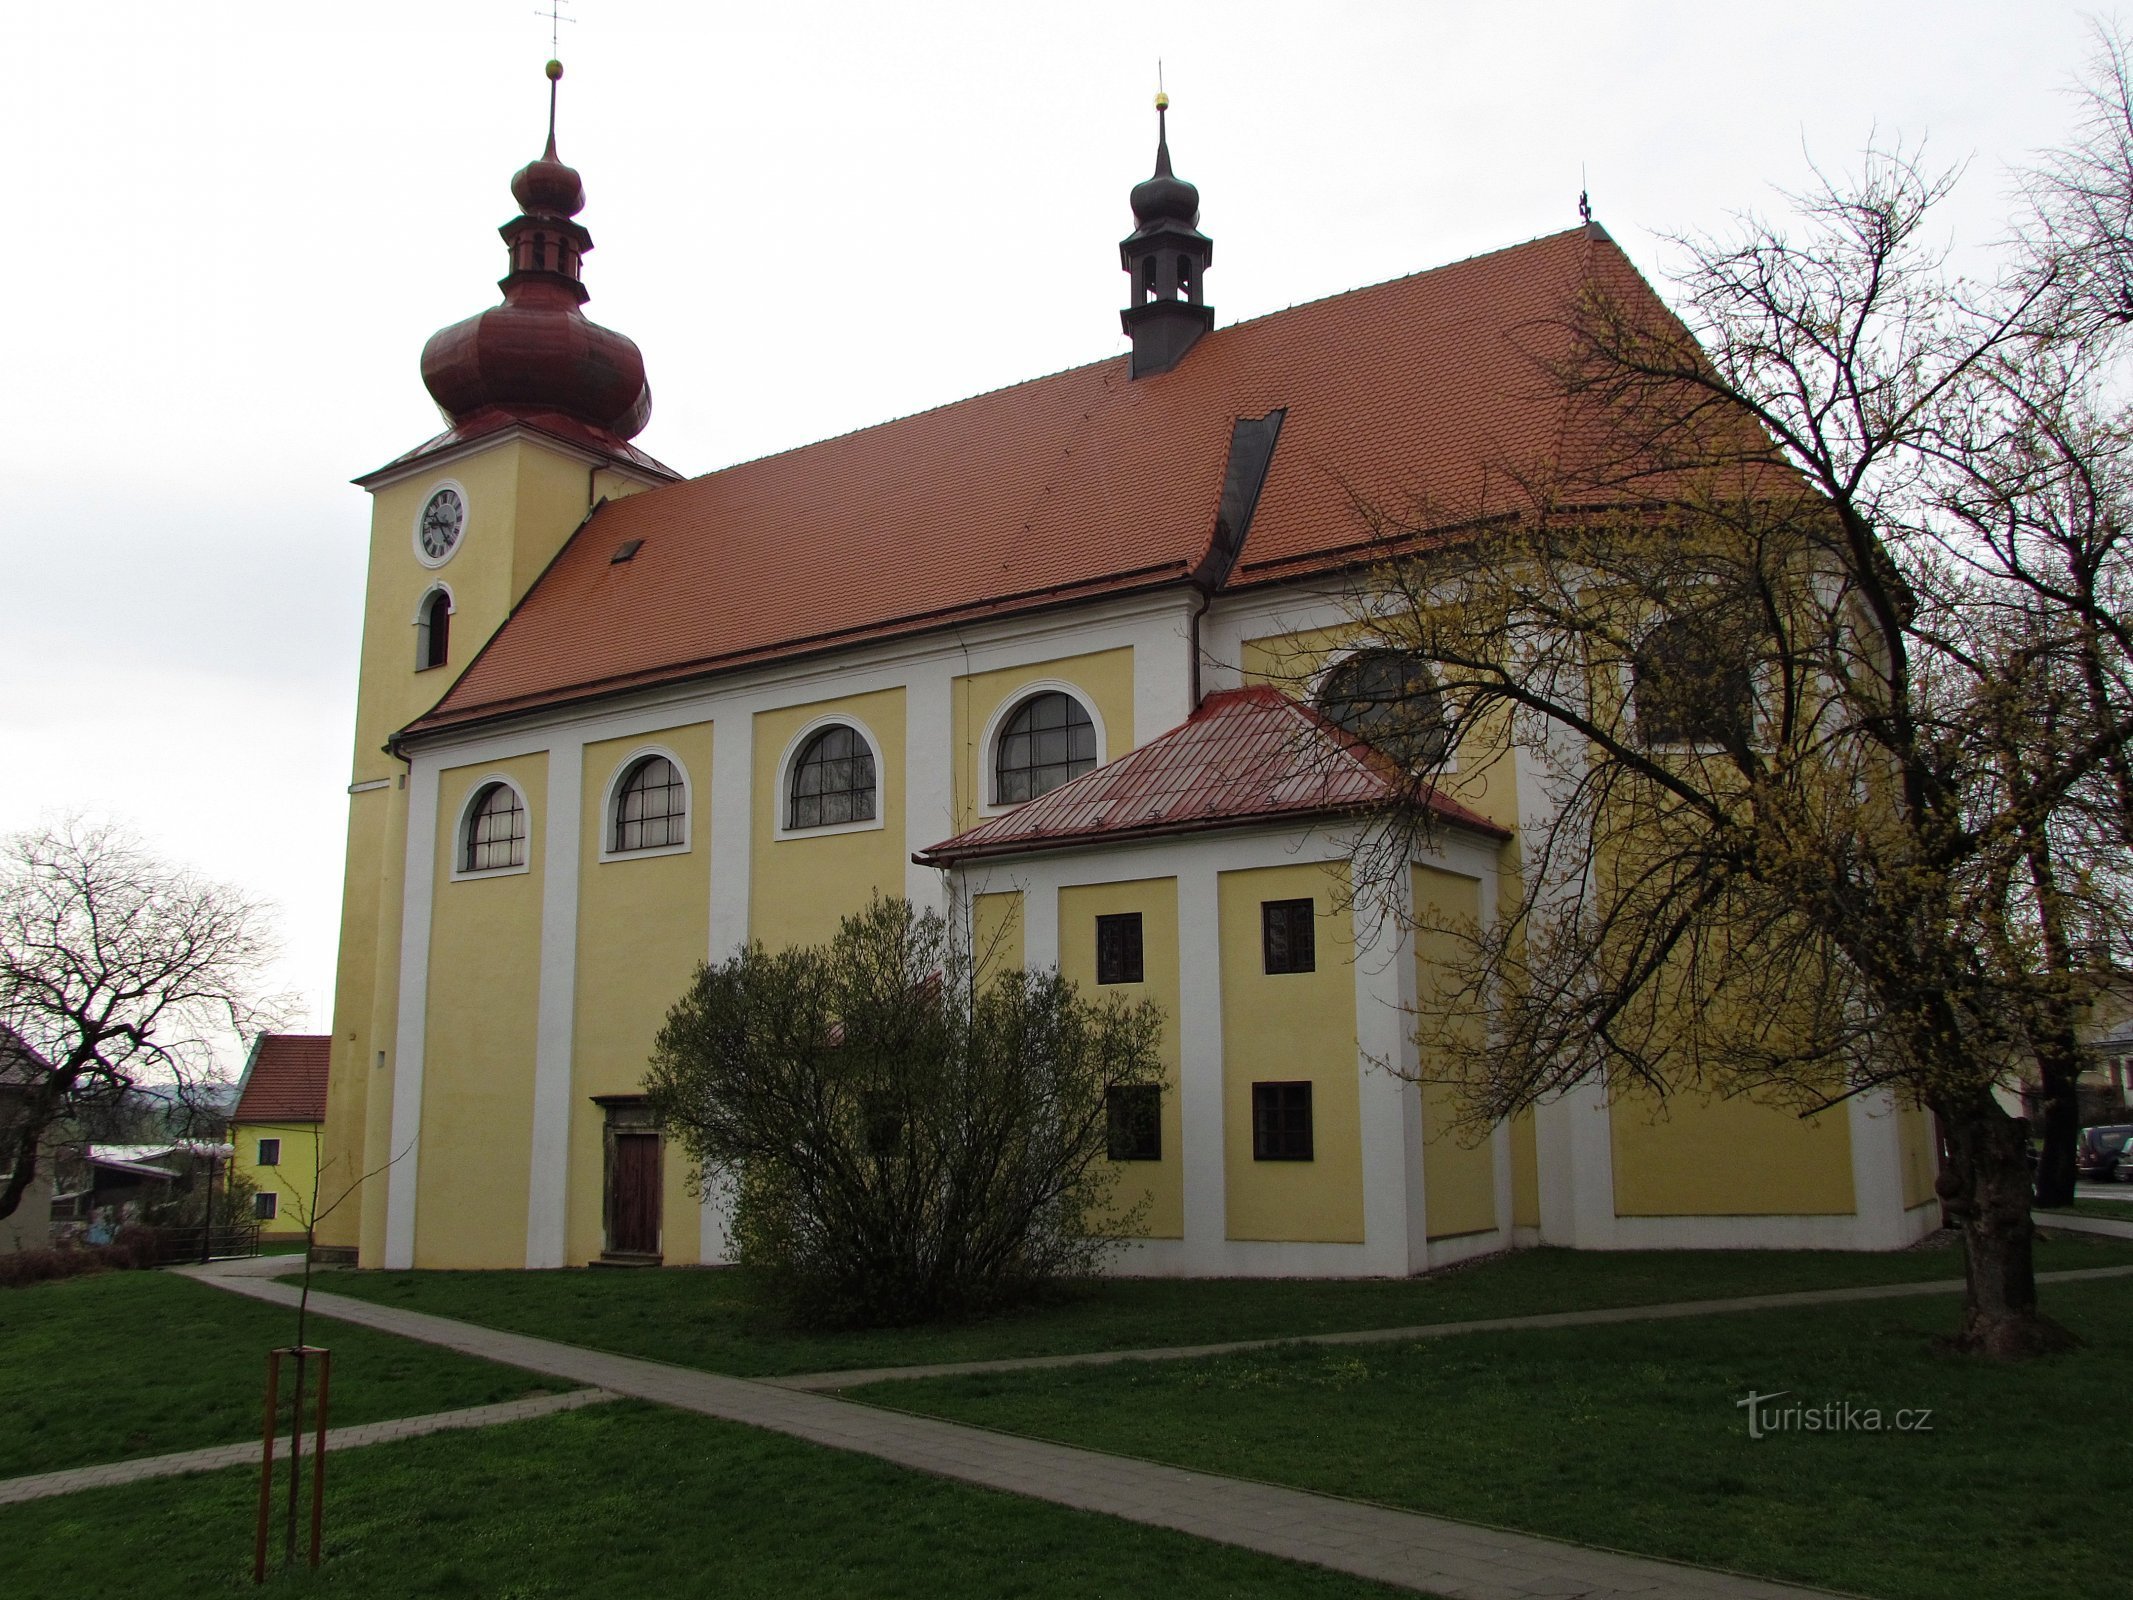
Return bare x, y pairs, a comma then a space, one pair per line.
1162, 101
555, 70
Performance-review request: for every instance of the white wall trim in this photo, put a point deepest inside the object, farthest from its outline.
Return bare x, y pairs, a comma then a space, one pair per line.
405, 1156
611, 800
548, 1185
781, 795
989, 804
475, 791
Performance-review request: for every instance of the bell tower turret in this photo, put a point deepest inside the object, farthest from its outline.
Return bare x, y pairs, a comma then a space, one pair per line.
1167, 256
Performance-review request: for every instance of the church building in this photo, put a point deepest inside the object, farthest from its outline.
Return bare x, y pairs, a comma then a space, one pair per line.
1069, 660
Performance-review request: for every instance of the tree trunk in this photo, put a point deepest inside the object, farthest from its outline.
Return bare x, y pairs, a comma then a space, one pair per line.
2059, 1076
1985, 1187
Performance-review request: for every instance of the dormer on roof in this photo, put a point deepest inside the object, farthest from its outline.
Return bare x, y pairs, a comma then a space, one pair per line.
1167, 257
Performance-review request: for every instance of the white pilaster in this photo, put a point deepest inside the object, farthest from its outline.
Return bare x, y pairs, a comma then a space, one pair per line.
1877, 1171
1395, 1221
548, 1186
731, 822
1200, 1109
1162, 678
420, 882
930, 762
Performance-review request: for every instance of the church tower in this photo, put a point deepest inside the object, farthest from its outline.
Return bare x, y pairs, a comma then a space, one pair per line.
540, 404
1167, 256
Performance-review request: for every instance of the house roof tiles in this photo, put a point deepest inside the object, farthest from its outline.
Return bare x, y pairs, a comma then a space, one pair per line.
285, 1080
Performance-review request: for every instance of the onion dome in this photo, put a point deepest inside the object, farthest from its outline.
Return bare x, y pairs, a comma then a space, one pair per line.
1166, 256
538, 352
1165, 197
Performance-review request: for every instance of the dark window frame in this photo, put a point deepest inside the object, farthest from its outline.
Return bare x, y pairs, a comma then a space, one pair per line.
493, 830
266, 1206
833, 782
1390, 700
662, 808
1288, 936
1048, 739
1710, 702
1282, 1127
434, 647
1133, 1122
1121, 949
264, 1159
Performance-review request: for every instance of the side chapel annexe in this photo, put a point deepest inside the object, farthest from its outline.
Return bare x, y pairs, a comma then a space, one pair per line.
1058, 655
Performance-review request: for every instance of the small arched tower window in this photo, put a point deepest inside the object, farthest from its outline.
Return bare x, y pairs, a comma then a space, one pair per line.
1186, 287
1693, 685
1048, 740
433, 631
651, 807
1147, 277
832, 781
1390, 699
496, 831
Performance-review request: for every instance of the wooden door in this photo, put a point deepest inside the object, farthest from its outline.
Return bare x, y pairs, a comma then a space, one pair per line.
633, 1194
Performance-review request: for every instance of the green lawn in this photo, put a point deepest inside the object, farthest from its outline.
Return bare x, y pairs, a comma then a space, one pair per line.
2088, 1206
625, 1500
709, 1320
126, 1364
1631, 1436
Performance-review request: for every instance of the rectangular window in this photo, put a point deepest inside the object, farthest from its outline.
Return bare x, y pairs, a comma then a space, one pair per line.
1288, 936
270, 1152
264, 1205
1281, 1121
882, 1121
1134, 1114
1118, 948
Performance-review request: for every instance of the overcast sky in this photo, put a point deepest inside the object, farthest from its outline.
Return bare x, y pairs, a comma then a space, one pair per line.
237, 222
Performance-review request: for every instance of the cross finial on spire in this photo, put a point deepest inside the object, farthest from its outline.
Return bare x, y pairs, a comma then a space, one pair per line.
1584, 206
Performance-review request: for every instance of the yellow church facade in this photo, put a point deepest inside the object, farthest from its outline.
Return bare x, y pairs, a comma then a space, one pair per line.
1055, 661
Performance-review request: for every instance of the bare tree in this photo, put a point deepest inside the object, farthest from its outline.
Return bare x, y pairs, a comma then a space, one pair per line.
118, 973
1801, 632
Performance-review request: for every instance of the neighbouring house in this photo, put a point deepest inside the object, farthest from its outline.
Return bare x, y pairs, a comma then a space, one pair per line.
30, 1224
275, 1129
1065, 661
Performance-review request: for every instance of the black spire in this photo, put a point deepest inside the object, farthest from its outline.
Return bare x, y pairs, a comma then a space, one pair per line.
1166, 256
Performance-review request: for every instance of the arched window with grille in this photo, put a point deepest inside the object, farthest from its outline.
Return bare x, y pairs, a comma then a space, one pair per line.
1048, 740
1390, 699
495, 835
433, 630
651, 807
833, 780
1692, 685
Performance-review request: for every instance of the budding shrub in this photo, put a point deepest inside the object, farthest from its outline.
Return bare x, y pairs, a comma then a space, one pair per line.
903, 1141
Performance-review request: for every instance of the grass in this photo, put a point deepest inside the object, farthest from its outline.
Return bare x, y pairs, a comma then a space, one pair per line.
623, 1500
2090, 1206
710, 1320
124, 1364
1631, 1436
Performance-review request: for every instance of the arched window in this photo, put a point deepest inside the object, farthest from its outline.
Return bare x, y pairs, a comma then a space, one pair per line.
832, 780
1693, 685
496, 831
433, 631
651, 807
1391, 699
1048, 740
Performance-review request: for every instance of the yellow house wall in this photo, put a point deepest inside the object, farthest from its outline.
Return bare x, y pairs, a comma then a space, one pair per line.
644, 924
1160, 1185
1458, 1176
996, 934
484, 1002
1289, 1027
348, 1080
1105, 676
289, 1179
1921, 1165
1707, 1156
800, 887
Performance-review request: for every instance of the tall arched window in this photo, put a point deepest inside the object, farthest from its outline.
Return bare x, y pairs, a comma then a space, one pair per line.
496, 831
832, 780
433, 631
1048, 740
1389, 698
651, 807
1693, 684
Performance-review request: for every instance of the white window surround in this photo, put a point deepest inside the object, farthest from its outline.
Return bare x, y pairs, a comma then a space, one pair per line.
421, 620
628, 764
781, 798
989, 741
1335, 658
466, 506
475, 791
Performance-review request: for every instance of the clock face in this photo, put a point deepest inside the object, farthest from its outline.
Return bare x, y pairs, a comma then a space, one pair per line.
437, 530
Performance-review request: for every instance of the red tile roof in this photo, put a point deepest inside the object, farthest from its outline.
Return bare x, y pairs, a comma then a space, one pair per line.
1246, 756
1412, 395
285, 1081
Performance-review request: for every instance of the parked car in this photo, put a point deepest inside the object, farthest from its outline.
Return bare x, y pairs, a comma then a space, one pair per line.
2096, 1156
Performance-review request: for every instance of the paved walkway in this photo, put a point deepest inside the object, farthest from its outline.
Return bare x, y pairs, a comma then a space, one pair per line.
1456, 1560
45, 1484
2075, 1222
853, 1378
